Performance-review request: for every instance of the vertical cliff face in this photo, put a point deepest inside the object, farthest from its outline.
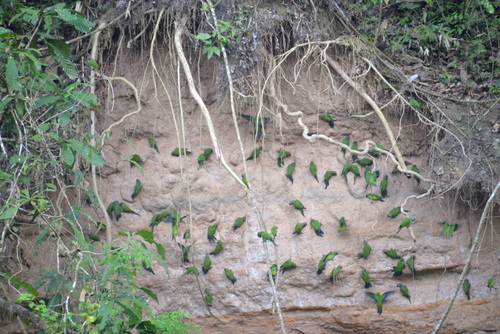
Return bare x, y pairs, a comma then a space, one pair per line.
311, 303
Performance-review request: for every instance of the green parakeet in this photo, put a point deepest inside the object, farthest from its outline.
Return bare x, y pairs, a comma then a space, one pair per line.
365, 162
383, 186
201, 160
187, 234
328, 175
238, 222
175, 230
379, 299
266, 237
345, 141
314, 170
366, 278
157, 219
211, 232
287, 265
126, 209
316, 226
137, 188
274, 232
405, 223
392, 253
367, 249
230, 275
207, 153
395, 212
398, 269
180, 150
244, 179
466, 287
218, 248
208, 297
207, 264
374, 197
448, 229
345, 170
355, 170
255, 153
93, 237
371, 178
415, 169
342, 224
153, 144
185, 252
404, 291
289, 171
411, 264
114, 208
491, 284
191, 270
329, 119
274, 270
135, 159
282, 154
298, 228
335, 273
298, 205
354, 147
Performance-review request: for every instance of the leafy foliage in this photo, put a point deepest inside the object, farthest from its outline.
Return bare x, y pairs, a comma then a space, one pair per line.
46, 149
458, 33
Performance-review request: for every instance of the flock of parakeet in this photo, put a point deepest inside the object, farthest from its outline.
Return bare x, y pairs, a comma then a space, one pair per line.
371, 178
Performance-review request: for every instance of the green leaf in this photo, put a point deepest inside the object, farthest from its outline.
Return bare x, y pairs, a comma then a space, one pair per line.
44, 127
24, 179
160, 250
68, 156
64, 118
78, 177
105, 309
61, 53
147, 236
37, 138
17, 159
42, 235
487, 5
17, 283
46, 101
93, 64
12, 74
90, 154
4, 103
74, 213
9, 213
150, 293
203, 36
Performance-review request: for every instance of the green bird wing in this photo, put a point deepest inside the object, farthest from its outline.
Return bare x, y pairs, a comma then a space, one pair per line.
290, 169
326, 117
316, 225
111, 207
330, 256
355, 170
137, 188
207, 152
384, 182
313, 169
207, 263
365, 276
394, 212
